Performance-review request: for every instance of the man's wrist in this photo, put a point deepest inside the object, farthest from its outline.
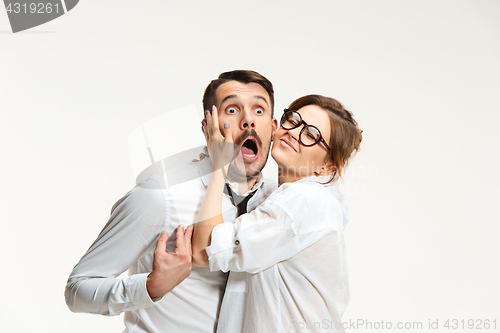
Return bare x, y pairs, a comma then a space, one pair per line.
151, 287
137, 291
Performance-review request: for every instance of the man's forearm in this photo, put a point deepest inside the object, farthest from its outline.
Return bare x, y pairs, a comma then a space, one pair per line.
107, 296
135, 223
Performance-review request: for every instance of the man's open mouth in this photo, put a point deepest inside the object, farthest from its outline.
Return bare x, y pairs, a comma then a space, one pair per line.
249, 150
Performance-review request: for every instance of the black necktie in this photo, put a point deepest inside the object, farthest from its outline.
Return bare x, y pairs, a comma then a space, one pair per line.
239, 200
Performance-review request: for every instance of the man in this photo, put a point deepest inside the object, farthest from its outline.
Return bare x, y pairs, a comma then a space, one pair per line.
162, 292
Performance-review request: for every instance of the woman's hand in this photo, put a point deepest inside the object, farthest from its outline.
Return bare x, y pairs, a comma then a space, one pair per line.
222, 151
221, 147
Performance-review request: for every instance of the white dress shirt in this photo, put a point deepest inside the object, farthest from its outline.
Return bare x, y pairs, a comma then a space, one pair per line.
128, 241
287, 262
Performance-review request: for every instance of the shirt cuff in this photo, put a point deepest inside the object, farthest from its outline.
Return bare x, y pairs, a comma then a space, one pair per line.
222, 247
137, 292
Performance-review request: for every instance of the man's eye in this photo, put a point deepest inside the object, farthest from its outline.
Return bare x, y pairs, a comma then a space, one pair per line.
231, 110
259, 111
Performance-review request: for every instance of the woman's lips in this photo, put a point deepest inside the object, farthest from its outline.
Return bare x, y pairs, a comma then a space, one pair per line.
287, 144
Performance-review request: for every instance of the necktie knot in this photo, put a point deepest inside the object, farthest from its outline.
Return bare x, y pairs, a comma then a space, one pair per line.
240, 201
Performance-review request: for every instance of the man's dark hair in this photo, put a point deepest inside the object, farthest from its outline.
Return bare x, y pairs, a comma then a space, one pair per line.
243, 76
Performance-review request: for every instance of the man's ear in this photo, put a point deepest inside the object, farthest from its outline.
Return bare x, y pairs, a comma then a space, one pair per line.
203, 124
275, 127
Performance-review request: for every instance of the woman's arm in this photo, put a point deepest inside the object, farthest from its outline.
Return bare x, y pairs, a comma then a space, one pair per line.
210, 215
293, 218
221, 149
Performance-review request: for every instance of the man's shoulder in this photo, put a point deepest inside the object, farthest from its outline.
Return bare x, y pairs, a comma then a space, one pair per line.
176, 174
177, 183
154, 187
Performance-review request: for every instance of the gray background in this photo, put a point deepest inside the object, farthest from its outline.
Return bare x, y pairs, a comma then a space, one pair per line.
422, 78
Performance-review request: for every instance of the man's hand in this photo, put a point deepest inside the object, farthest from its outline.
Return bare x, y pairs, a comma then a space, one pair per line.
170, 269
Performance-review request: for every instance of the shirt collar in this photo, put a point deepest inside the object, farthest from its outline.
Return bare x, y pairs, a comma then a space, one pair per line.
324, 180
205, 169
257, 185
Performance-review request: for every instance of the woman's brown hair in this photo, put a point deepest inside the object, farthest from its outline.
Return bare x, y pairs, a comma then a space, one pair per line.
345, 136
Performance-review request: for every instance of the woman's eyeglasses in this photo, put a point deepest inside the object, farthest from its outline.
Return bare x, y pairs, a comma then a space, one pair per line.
309, 135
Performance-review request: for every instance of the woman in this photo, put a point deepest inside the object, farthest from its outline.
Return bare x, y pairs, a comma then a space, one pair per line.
287, 257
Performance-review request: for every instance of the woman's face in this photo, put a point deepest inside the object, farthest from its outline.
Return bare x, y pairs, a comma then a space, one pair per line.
296, 161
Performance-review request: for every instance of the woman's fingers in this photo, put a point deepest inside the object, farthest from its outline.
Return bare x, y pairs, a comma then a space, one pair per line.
212, 126
227, 133
220, 140
216, 133
214, 116
208, 125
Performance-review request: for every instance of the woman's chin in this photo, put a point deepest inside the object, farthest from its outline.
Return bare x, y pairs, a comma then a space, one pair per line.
284, 159
278, 157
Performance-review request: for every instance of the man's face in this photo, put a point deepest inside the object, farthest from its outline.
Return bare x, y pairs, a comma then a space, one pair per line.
247, 109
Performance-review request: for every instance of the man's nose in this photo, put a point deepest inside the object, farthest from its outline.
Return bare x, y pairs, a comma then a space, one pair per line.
247, 121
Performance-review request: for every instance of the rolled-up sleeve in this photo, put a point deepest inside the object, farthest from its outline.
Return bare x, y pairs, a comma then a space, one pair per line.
131, 232
290, 220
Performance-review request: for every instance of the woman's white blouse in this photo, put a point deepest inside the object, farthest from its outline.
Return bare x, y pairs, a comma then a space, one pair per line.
287, 262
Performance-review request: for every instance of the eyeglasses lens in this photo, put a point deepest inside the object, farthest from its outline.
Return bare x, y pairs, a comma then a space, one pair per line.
309, 136
290, 120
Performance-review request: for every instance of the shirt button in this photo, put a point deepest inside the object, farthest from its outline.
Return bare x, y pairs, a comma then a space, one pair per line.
237, 242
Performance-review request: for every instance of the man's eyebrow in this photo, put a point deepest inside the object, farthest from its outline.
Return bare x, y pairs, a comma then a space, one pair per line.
235, 96
226, 98
262, 98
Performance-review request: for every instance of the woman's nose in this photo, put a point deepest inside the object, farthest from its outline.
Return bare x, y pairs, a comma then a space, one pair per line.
295, 133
